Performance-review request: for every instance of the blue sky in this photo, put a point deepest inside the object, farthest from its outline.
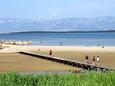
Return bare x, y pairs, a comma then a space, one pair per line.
55, 9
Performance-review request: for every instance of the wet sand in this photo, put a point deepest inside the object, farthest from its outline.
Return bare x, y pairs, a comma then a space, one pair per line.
23, 63
106, 58
14, 61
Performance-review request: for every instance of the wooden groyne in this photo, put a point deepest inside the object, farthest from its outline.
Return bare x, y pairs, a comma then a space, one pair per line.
73, 63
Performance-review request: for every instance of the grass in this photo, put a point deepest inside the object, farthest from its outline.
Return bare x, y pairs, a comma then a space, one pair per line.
81, 79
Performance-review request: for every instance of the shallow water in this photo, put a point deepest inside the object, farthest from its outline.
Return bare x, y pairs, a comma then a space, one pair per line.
68, 39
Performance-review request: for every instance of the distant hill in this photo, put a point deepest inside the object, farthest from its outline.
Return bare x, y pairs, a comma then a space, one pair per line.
106, 31
68, 24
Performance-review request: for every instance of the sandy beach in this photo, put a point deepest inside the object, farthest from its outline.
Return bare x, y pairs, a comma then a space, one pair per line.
15, 48
23, 63
20, 62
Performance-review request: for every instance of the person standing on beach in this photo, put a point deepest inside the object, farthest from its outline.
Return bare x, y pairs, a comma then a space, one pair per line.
50, 52
98, 60
61, 43
87, 58
93, 60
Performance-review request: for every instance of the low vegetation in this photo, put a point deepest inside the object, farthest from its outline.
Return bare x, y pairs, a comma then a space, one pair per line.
81, 79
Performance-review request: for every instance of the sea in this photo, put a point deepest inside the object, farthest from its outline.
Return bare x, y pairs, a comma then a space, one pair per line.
64, 39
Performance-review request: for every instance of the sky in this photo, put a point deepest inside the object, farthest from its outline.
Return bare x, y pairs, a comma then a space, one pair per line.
56, 9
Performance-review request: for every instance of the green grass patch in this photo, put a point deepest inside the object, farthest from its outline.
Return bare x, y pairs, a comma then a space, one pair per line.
81, 79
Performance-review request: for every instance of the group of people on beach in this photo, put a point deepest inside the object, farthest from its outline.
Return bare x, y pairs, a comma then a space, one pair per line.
94, 60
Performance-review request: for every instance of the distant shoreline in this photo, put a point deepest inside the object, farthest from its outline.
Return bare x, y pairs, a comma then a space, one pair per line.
106, 31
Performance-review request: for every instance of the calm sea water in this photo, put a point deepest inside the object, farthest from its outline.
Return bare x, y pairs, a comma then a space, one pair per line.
72, 39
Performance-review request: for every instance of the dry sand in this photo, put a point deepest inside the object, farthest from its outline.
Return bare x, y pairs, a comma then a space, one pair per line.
14, 48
